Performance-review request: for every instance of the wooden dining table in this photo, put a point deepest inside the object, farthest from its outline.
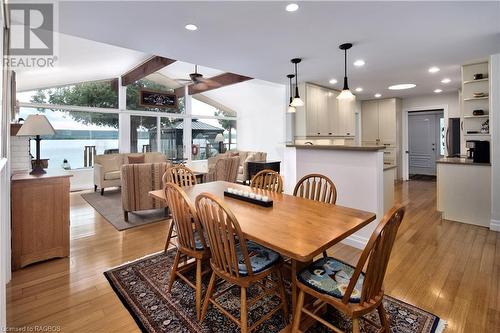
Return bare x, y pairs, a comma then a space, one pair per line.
295, 227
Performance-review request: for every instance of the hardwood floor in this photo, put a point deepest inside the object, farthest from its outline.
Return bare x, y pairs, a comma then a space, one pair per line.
448, 268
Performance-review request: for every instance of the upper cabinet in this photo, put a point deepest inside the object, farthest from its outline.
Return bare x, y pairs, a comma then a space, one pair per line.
379, 121
323, 115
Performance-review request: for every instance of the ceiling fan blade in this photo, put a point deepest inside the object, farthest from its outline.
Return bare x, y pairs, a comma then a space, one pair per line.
183, 80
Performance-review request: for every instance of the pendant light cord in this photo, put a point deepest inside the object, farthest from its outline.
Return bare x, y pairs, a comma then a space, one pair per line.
345, 63
296, 77
291, 90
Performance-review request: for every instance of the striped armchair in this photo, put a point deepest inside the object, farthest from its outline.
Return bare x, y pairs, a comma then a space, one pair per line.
137, 181
225, 169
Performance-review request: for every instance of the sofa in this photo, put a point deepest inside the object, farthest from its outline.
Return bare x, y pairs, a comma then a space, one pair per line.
245, 157
137, 181
107, 167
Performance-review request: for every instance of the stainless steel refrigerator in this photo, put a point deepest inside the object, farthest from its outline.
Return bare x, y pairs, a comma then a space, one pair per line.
453, 137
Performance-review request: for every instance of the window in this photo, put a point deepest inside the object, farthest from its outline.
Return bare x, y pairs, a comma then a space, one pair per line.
171, 139
79, 136
100, 94
213, 129
143, 136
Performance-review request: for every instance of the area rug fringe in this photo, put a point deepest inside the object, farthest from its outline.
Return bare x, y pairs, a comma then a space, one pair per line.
441, 326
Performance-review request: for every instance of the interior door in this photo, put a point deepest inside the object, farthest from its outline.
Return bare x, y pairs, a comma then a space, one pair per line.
422, 143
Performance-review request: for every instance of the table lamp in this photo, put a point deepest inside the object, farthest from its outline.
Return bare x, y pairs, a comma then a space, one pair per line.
219, 138
36, 125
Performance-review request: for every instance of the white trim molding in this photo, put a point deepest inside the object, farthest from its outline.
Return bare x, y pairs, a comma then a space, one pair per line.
495, 225
356, 241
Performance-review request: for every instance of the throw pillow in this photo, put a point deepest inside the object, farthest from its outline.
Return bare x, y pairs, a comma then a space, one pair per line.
137, 159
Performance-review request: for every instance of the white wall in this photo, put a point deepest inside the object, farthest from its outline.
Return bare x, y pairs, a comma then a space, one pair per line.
495, 140
260, 106
450, 99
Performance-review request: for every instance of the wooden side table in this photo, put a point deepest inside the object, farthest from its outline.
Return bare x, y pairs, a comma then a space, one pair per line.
40, 217
255, 166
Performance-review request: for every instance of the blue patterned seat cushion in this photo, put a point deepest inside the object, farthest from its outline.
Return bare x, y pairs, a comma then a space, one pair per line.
331, 276
197, 242
261, 258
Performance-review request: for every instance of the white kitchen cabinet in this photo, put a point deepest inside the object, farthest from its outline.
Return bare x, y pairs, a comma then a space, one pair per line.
369, 122
379, 121
346, 118
381, 124
323, 115
387, 122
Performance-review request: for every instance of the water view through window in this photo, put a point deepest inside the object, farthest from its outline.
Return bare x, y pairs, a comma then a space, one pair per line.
78, 134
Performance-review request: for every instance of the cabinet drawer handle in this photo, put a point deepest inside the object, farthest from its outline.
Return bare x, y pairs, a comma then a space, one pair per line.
329, 133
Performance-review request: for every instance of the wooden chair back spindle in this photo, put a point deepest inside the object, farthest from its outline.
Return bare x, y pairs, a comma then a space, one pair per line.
180, 175
223, 233
184, 216
267, 180
376, 257
316, 187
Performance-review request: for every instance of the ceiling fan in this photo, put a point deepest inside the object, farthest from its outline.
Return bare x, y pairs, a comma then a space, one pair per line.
197, 79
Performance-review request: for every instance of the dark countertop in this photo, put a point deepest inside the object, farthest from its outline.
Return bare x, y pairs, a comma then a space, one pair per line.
460, 160
353, 147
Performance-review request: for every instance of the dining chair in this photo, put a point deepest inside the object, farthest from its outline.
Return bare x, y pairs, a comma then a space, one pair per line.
191, 240
347, 288
316, 187
267, 180
182, 176
239, 262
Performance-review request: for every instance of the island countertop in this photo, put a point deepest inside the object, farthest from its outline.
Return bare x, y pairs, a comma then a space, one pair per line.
352, 147
460, 160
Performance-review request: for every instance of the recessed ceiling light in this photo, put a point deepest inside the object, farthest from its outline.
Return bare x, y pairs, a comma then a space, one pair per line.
402, 86
359, 63
437, 91
191, 27
293, 7
333, 81
359, 89
377, 95
434, 69
445, 80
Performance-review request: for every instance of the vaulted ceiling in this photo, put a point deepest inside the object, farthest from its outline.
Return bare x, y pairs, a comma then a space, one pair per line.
398, 40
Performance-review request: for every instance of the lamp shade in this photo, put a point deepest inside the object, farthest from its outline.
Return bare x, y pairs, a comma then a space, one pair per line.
291, 109
346, 94
219, 138
36, 124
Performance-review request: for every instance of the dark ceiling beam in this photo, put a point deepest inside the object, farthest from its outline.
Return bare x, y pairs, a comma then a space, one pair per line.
216, 82
150, 66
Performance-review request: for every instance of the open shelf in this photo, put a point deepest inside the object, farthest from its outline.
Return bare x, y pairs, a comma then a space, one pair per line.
477, 134
475, 98
481, 116
474, 81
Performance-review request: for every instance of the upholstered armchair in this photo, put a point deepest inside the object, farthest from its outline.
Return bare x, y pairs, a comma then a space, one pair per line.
137, 181
245, 157
225, 169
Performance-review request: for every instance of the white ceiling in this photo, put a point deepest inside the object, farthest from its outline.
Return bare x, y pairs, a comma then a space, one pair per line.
398, 40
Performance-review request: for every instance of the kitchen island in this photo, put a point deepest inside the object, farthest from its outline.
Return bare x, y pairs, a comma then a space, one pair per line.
358, 171
464, 191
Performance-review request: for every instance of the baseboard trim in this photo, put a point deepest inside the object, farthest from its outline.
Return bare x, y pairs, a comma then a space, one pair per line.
356, 241
495, 225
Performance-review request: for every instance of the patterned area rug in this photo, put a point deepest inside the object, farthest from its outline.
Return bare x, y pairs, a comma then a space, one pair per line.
141, 286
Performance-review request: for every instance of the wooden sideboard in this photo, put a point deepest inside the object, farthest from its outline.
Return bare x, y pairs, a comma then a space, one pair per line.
40, 217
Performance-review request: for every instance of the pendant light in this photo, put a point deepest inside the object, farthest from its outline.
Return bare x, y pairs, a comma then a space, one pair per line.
291, 109
346, 94
296, 99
